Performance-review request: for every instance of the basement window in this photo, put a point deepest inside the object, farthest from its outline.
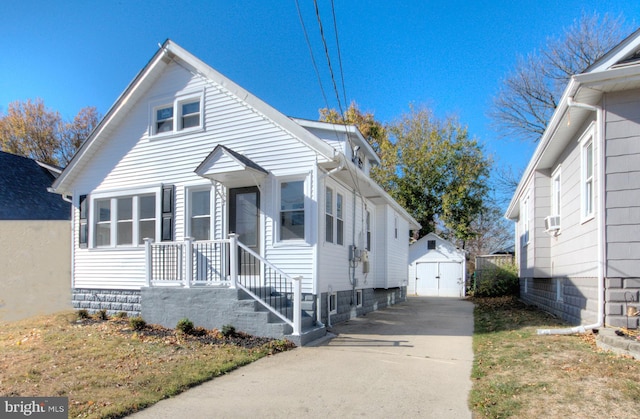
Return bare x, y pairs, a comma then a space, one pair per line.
358, 298
333, 303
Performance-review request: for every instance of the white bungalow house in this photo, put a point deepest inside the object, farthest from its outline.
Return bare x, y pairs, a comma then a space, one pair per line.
193, 198
577, 206
436, 268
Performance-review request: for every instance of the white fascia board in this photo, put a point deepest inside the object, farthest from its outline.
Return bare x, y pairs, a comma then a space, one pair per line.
346, 128
547, 137
257, 104
628, 46
61, 184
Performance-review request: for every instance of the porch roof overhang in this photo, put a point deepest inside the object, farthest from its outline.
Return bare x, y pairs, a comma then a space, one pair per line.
230, 168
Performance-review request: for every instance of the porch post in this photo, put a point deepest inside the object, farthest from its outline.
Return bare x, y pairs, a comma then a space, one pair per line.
297, 306
188, 261
148, 258
233, 262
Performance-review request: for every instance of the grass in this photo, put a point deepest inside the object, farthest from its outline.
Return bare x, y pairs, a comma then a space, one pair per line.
109, 370
518, 374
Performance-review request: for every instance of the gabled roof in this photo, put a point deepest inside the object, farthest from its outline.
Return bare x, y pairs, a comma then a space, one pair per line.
228, 167
167, 53
617, 70
23, 190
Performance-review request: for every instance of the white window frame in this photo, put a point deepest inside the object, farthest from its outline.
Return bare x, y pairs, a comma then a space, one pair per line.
556, 192
395, 226
113, 197
358, 298
305, 189
176, 104
587, 182
368, 240
189, 190
340, 219
329, 217
524, 215
333, 296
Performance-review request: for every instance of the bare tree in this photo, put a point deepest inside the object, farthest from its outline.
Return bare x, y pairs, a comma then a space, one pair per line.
531, 91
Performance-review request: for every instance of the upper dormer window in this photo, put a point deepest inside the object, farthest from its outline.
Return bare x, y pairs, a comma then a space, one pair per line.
183, 113
190, 114
164, 119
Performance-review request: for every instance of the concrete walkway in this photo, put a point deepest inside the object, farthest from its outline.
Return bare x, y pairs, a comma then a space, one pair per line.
412, 360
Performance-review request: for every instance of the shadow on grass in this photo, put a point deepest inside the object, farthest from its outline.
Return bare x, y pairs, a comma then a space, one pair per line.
498, 314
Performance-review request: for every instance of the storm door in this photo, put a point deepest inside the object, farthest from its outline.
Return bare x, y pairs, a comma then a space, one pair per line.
244, 220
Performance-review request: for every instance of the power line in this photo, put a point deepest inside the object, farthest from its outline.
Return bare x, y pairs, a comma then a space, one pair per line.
313, 60
335, 28
326, 52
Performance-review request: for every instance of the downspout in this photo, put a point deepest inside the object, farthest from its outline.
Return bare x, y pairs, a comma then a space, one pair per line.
600, 219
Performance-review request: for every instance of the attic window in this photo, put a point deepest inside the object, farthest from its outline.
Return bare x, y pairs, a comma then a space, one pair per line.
164, 119
431, 244
180, 114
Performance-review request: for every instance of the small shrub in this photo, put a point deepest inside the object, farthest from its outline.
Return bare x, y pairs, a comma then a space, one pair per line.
228, 330
83, 314
498, 281
137, 323
185, 326
120, 315
101, 315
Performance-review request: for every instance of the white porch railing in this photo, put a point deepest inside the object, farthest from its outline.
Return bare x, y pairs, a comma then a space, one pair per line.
212, 262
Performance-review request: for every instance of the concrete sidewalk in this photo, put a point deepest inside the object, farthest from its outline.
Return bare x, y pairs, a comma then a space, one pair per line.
411, 360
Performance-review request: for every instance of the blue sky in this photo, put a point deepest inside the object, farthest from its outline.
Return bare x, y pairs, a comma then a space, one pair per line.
447, 55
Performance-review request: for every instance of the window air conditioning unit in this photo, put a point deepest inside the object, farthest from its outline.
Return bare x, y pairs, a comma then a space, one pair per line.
552, 223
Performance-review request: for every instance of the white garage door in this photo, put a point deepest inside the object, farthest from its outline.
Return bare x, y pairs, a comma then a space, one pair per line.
439, 279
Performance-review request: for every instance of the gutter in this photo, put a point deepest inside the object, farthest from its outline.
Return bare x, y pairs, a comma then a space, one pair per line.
601, 250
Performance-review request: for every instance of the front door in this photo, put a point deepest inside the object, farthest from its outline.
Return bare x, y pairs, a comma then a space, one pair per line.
244, 220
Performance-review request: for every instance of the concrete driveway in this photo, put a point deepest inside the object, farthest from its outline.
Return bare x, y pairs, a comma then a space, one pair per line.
411, 360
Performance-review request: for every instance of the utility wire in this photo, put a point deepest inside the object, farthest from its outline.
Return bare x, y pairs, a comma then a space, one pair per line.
335, 28
313, 60
326, 52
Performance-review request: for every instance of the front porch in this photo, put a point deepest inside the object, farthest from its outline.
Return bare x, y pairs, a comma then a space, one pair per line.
220, 282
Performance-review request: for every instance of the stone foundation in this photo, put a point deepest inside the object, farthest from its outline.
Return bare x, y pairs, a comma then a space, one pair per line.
114, 301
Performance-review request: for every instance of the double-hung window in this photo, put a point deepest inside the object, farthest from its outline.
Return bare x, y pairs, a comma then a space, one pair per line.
555, 193
124, 220
339, 219
328, 203
524, 216
368, 226
292, 211
180, 114
200, 214
587, 179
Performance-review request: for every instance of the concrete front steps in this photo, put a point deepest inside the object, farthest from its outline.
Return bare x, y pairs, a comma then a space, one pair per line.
215, 307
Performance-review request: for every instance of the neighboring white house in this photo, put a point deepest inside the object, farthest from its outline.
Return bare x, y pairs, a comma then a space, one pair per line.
436, 268
577, 206
185, 157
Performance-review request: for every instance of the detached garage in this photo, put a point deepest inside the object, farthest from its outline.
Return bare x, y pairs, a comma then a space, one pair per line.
436, 268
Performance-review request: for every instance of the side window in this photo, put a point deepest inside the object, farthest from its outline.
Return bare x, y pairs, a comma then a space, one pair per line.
328, 203
368, 226
555, 193
83, 227
340, 219
292, 211
395, 226
524, 215
103, 222
431, 244
587, 179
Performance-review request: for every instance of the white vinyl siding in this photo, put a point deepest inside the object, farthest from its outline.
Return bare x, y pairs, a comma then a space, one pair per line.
129, 160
